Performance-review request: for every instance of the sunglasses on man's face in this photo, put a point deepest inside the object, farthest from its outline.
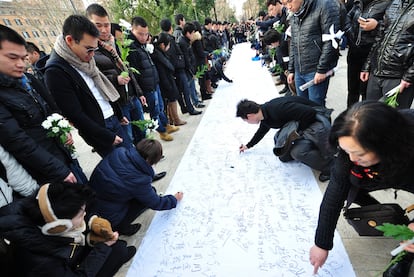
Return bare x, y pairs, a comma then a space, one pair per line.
91, 49
88, 48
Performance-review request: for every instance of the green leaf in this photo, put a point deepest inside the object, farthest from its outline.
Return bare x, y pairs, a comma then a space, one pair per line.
201, 70
395, 260
217, 51
398, 232
279, 28
392, 100
124, 74
141, 124
134, 70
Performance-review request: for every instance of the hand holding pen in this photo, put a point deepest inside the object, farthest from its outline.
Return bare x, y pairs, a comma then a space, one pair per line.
242, 148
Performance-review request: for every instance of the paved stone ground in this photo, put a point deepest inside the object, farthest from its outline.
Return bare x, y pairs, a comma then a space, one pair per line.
369, 255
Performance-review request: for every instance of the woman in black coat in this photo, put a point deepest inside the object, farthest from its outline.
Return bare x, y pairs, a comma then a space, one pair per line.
166, 71
376, 145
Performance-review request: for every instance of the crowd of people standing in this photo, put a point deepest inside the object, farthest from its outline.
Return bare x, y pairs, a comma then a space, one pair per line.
100, 92
87, 83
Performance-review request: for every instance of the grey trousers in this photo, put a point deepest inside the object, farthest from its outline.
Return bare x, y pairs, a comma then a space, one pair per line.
379, 86
305, 151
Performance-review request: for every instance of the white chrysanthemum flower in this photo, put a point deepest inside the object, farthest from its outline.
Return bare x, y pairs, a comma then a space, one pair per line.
149, 47
155, 123
55, 130
56, 117
63, 123
47, 124
125, 24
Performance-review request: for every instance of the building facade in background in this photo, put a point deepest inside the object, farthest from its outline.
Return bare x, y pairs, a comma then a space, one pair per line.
38, 21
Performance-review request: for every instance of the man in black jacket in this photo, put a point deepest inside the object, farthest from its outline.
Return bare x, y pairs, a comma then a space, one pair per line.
24, 105
304, 129
148, 79
391, 61
83, 93
182, 74
108, 61
365, 21
310, 57
184, 42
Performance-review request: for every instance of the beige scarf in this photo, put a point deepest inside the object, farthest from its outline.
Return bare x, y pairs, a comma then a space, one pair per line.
104, 86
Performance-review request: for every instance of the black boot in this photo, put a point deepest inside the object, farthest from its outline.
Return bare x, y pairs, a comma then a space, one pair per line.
401, 268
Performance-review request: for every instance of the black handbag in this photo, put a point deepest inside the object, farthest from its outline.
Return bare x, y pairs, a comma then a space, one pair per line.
366, 218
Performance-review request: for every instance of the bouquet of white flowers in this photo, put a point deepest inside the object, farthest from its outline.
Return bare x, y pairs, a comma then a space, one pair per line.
58, 126
146, 125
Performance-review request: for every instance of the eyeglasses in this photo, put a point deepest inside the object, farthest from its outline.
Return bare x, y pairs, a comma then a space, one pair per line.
91, 49
88, 48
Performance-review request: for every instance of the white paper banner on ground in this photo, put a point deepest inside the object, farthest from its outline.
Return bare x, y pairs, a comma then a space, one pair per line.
242, 214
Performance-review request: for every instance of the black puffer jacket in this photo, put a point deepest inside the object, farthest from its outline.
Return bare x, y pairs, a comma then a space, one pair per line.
189, 58
175, 55
366, 9
166, 71
308, 52
393, 55
107, 65
210, 40
140, 59
22, 135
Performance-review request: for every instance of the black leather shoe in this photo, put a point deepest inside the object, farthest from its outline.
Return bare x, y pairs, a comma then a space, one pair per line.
284, 90
159, 176
206, 97
199, 105
131, 250
323, 177
130, 230
194, 112
401, 268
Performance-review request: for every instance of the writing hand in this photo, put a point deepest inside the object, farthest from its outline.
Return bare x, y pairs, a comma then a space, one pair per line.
317, 257
179, 195
243, 148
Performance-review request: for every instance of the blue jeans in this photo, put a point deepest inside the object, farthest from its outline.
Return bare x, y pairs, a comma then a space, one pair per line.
193, 92
316, 93
133, 111
112, 124
156, 108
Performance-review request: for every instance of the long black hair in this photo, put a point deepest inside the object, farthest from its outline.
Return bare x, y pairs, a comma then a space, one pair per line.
381, 129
